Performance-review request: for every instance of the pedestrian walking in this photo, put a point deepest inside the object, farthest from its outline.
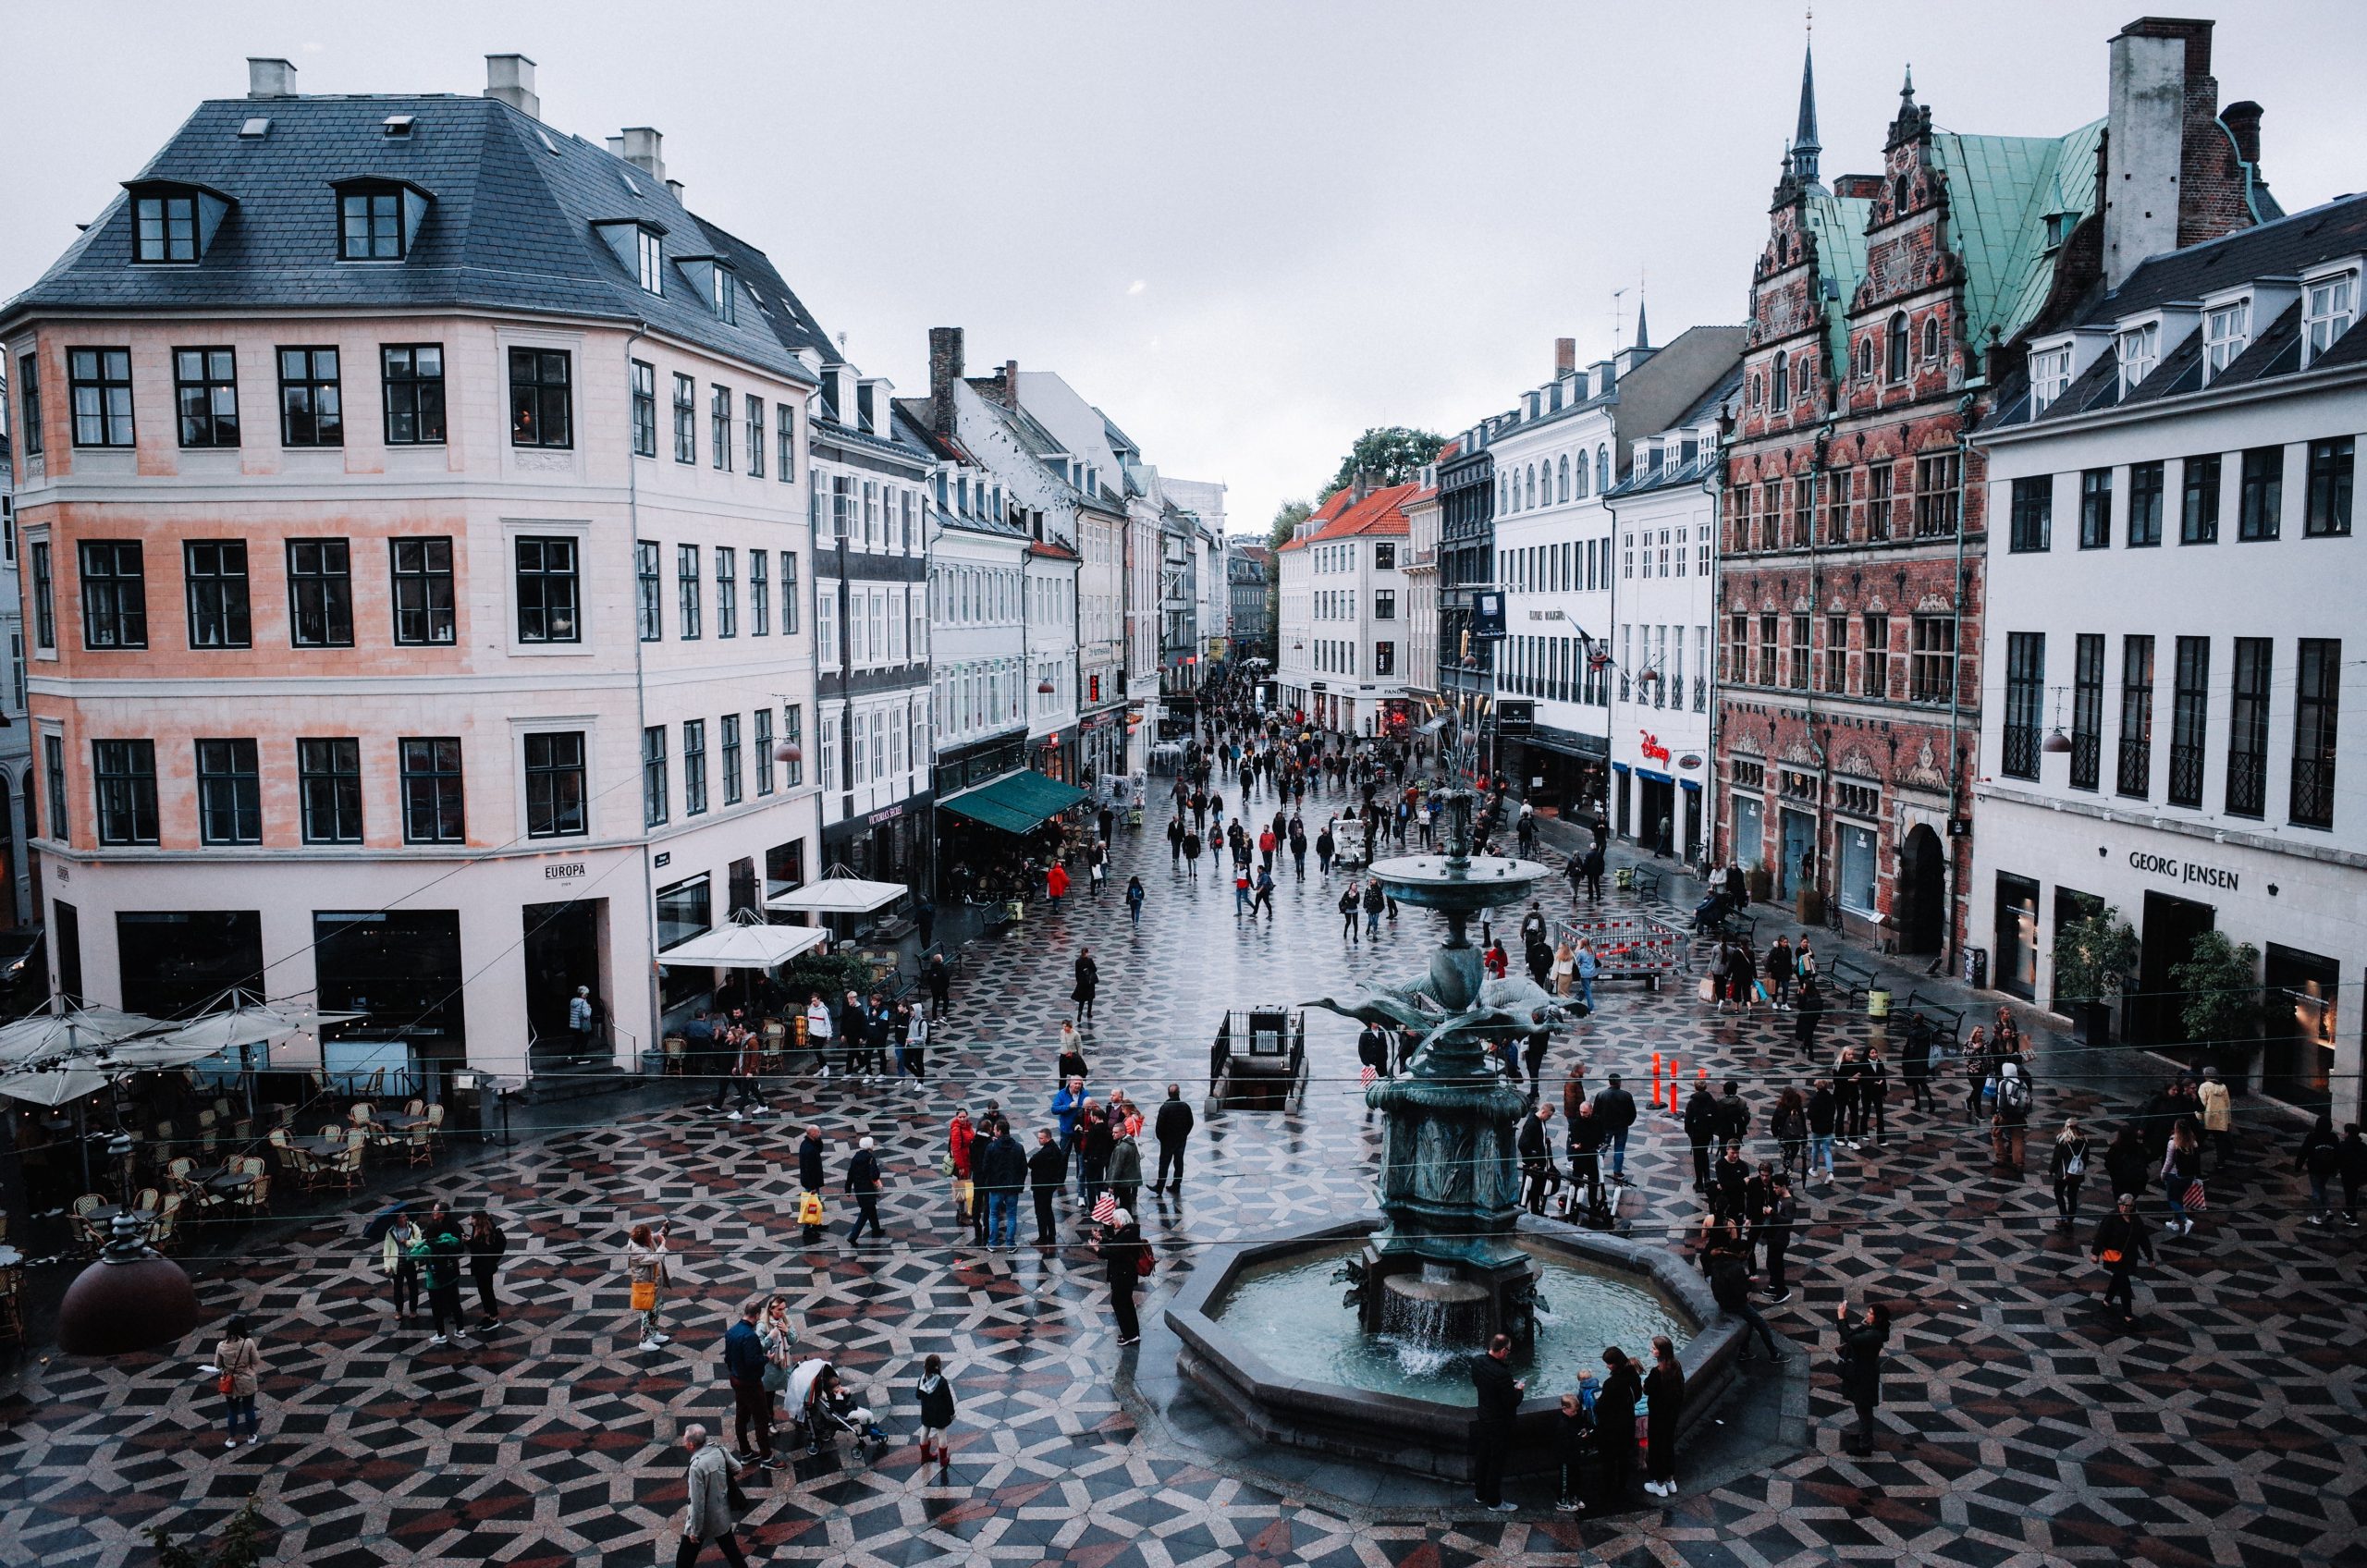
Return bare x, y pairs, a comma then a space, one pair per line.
863, 1185
1135, 900
1573, 1441
1348, 913
2066, 1166
1617, 1108
1265, 895
237, 1362
778, 1338
579, 1020
1824, 1114
1056, 882
1859, 1344
1071, 1063
1664, 1397
912, 1025
399, 1254
1775, 1236
2320, 1162
1810, 1017
811, 1179
744, 1362
2351, 1164
1780, 970
2122, 1237
1375, 902
1539, 1175
441, 1276
2218, 1115
1564, 968
2010, 1124
1588, 964
1048, 1168
934, 1394
960, 1171
1702, 1131
708, 1516
1088, 981
1790, 1125
1614, 1421
1096, 870
941, 985
645, 1272
1125, 1163
924, 917
1173, 1130
487, 1243
1125, 1259
1492, 1427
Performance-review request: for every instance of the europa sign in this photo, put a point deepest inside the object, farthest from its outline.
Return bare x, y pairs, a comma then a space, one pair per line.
2182, 871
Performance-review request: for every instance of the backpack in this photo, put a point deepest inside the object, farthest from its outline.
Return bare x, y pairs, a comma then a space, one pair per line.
2014, 1093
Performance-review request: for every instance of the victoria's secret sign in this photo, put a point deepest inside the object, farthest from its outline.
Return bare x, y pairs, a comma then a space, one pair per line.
2182, 870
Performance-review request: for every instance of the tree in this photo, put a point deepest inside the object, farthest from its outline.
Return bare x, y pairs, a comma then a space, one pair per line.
2224, 1002
1391, 455
2093, 957
240, 1544
1287, 516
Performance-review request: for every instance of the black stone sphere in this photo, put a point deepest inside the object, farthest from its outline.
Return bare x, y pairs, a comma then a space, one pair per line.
116, 1307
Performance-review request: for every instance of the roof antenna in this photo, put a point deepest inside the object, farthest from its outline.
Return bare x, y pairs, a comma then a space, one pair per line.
1618, 317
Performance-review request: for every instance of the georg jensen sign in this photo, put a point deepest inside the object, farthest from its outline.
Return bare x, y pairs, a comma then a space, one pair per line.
2171, 869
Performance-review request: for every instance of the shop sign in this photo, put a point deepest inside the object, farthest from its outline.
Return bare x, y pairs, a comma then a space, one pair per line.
890, 815
1652, 749
1689, 761
566, 871
2171, 869
662, 862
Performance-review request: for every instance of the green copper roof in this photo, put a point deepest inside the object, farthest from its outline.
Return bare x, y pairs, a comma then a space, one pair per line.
1839, 225
2001, 190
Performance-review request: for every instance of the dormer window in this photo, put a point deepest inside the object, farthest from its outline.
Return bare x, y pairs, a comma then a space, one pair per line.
2050, 377
173, 223
2227, 331
167, 229
2328, 307
2139, 349
649, 255
379, 219
724, 299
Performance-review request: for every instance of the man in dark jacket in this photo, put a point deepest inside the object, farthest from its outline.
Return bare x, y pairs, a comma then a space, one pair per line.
1586, 1136
863, 1185
1538, 1172
1860, 1344
810, 1174
441, 1275
1492, 1427
1730, 1282
1733, 1117
1002, 1170
1047, 1166
941, 985
1702, 1131
743, 1361
1173, 1128
1617, 1108
2123, 1237
1729, 1179
1775, 1235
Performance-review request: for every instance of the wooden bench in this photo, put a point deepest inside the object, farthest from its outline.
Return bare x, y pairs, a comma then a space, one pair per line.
1947, 1022
1649, 881
1852, 977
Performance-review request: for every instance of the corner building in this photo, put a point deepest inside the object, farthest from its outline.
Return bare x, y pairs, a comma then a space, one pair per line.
1884, 309
413, 495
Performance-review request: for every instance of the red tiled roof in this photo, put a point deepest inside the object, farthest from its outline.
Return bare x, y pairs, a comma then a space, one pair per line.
1381, 514
1052, 549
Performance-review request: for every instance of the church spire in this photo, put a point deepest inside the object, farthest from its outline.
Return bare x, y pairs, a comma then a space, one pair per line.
1643, 332
1804, 146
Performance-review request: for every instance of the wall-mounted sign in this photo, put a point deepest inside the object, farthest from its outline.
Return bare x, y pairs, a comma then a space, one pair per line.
1515, 717
1689, 761
566, 871
2182, 871
663, 860
1486, 614
890, 815
1652, 748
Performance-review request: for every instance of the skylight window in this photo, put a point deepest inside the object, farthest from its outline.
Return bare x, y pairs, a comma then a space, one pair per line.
548, 145
260, 126
630, 185
398, 126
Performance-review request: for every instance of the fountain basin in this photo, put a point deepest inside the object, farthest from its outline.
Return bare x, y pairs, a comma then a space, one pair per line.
1266, 1340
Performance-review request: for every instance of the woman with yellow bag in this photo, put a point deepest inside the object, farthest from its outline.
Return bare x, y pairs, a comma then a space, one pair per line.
646, 1267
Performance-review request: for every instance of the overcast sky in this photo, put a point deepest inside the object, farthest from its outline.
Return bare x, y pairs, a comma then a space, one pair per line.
1246, 231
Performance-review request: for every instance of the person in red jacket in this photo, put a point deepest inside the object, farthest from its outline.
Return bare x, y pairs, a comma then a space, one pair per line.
1056, 881
959, 1138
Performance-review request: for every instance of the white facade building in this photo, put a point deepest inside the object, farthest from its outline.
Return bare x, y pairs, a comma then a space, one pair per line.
1342, 599
2174, 591
1421, 607
1664, 519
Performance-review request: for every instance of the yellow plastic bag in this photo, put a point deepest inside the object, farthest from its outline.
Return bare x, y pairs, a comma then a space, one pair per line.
809, 1210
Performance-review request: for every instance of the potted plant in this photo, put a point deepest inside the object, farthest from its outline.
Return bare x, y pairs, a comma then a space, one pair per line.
1809, 907
2092, 957
2224, 1003
1761, 883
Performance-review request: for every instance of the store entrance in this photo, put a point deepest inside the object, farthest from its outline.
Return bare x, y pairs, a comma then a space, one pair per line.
561, 951
1919, 897
2155, 1015
1656, 823
2304, 1014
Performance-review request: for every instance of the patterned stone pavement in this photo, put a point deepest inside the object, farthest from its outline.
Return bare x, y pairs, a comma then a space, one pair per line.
2022, 1429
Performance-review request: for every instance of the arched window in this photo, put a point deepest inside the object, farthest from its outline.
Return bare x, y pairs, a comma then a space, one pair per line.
1532, 486
1898, 196
1802, 369
1898, 347
1754, 391
1782, 383
1565, 476
1866, 357
1601, 468
1930, 338
1582, 476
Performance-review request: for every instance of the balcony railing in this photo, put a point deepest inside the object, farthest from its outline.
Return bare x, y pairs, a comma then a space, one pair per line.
2186, 775
2136, 768
2021, 753
2087, 761
2313, 792
2247, 784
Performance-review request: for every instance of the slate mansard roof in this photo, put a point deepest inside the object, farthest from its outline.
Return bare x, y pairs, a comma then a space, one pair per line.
509, 226
2280, 250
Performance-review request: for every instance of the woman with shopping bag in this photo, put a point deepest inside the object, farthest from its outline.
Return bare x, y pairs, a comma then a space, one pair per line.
645, 1268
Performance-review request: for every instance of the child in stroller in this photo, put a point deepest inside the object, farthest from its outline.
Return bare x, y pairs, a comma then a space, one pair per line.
825, 1406
1711, 914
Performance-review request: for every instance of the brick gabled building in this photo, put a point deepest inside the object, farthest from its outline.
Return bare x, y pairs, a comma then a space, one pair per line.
1882, 309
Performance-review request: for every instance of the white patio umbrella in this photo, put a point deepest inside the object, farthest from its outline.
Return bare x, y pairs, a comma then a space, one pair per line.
47, 1035
51, 1084
839, 892
251, 1022
747, 943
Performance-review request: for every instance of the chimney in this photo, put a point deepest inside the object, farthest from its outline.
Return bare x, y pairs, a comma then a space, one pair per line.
944, 370
510, 78
2154, 59
1859, 187
1362, 487
641, 150
2242, 121
1010, 384
1565, 355
270, 79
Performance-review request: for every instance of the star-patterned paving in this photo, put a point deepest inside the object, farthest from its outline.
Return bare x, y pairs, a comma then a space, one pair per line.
2021, 1426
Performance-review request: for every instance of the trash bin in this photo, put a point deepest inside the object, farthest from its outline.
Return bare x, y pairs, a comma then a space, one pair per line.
1877, 1003
1624, 878
1976, 968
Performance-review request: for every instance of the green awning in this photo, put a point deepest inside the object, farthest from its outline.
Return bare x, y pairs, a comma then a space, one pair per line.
1018, 802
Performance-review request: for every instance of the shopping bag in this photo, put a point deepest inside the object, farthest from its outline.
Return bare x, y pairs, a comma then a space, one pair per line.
809, 1210
1708, 988
645, 1294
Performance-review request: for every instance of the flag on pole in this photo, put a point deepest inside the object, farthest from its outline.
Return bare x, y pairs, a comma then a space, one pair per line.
1105, 1208
1366, 1076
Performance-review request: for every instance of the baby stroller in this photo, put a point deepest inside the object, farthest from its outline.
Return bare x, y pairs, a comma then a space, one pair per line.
822, 1407
1709, 915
